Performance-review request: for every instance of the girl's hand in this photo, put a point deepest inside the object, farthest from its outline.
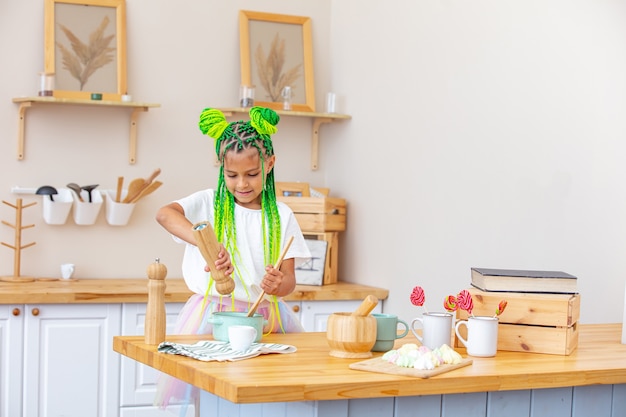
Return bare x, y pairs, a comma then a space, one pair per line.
222, 262
272, 280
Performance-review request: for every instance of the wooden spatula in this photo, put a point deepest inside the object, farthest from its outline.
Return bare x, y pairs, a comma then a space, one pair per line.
149, 189
277, 266
137, 185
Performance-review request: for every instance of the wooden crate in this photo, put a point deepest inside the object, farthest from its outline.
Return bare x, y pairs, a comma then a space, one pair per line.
332, 254
317, 214
531, 322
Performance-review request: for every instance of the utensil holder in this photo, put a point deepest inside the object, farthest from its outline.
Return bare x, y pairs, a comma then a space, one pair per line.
118, 214
85, 212
56, 212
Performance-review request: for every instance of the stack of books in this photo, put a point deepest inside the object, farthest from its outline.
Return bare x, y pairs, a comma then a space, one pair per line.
542, 312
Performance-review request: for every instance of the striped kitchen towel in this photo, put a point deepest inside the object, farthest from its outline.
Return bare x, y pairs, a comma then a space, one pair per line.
212, 350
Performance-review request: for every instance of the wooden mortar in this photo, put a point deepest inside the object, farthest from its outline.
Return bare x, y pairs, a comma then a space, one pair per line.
353, 335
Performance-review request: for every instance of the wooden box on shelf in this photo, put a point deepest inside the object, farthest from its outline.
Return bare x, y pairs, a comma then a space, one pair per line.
531, 322
318, 214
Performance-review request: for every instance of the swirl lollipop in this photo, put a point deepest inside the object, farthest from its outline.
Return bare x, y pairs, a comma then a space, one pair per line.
449, 303
418, 297
464, 301
501, 307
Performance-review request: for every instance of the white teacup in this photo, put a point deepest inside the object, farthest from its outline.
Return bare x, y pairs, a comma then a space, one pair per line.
436, 329
67, 270
241, 337
482, 335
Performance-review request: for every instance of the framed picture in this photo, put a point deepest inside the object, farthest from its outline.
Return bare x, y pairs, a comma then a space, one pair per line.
276, 52
311, 272
85, 47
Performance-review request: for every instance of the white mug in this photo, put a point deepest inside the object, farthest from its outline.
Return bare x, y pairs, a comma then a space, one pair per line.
241, 337
67, 270
436, 329
482, 335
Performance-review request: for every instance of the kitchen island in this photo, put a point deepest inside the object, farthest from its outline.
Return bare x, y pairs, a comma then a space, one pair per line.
309, 382
39, 370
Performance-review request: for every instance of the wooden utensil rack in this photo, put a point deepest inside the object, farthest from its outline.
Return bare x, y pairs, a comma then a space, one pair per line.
18, 227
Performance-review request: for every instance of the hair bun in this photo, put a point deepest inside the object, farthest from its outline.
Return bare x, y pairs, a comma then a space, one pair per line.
212, 122
264, 120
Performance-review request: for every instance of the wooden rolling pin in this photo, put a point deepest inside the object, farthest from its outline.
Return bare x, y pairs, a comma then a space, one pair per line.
366, 306
154, 328
210, 248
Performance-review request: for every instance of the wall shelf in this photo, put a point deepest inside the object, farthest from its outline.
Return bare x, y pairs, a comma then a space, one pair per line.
135, 107
318, 120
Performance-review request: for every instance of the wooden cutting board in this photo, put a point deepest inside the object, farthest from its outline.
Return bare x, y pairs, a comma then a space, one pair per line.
383, 367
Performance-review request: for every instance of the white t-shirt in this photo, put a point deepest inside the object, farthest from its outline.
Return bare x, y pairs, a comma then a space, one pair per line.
249, 263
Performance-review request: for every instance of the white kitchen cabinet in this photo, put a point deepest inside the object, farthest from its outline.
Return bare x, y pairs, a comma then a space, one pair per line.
70, 369
11, 359
138, 381
59, 360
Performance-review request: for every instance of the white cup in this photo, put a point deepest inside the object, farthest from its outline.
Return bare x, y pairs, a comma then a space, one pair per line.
482, 335
241, 337
331, 102
436, 329
67, 270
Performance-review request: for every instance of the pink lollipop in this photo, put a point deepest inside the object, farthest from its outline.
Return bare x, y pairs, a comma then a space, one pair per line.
464, 301
417, 296
449, 303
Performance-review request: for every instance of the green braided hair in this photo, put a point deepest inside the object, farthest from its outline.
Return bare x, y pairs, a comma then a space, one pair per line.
236, 137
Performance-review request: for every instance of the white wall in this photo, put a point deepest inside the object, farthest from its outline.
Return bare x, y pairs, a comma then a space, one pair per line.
483, 133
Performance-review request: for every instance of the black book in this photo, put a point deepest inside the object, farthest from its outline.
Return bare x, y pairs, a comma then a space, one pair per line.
514, 280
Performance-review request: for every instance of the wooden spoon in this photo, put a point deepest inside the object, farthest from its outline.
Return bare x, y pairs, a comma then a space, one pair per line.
138, 184
149, 189
277, 266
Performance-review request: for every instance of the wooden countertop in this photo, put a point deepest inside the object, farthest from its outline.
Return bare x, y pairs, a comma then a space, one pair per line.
86, 291
312, 374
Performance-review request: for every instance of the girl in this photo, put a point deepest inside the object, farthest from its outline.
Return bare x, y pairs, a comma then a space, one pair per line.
251, 226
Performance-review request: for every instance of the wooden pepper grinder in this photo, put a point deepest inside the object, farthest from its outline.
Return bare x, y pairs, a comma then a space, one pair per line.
155, 311
209, 248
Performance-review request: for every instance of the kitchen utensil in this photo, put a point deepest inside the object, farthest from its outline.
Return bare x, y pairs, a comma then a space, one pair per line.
210, 248
277, 266
47, 190
366, 306
118, 190
76, 188
222, 320
89, 189
138, 184
353, 335
148, 190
